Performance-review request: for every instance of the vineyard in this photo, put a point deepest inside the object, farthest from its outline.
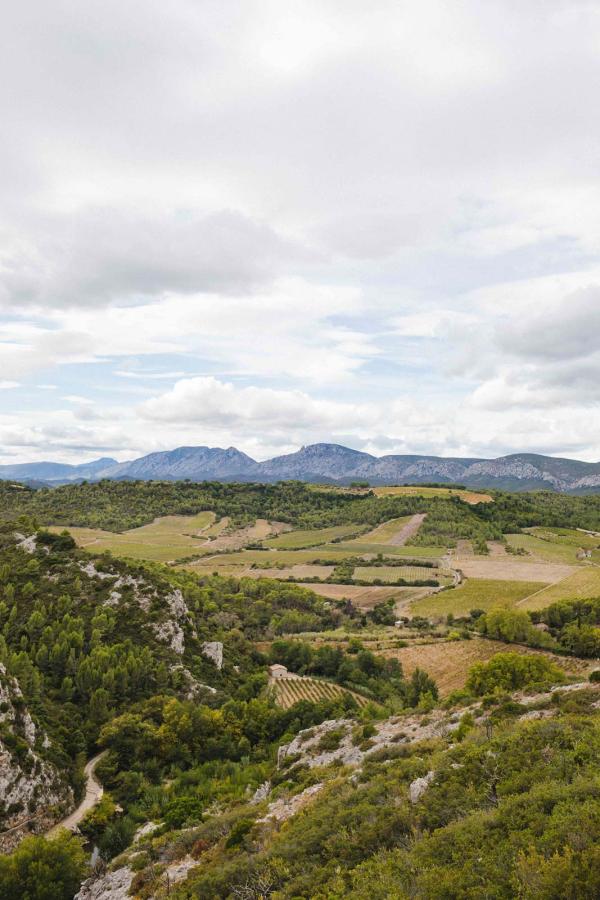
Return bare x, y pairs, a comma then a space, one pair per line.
290, 690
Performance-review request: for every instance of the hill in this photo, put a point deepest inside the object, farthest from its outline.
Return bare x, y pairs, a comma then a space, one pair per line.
329, 463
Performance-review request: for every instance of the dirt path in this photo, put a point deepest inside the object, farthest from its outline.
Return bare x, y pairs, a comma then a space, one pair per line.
407, 531
93, 793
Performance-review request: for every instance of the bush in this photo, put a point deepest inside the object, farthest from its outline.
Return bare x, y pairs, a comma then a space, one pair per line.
511, 671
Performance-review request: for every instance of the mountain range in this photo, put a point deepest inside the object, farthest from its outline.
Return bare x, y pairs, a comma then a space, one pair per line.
329, 463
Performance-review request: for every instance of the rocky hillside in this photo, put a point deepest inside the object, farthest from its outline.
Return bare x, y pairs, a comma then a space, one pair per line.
329, 463
472, 801
33, 792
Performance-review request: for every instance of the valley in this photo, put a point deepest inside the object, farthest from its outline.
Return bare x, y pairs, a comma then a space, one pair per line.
236, 661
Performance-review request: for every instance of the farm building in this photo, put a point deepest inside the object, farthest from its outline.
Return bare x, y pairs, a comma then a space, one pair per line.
278, 671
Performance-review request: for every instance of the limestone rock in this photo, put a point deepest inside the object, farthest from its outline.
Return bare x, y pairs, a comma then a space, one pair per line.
419, 786
214, 650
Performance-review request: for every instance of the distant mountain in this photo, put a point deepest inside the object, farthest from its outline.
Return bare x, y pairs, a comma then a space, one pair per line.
196, 463
56, 473
328, 463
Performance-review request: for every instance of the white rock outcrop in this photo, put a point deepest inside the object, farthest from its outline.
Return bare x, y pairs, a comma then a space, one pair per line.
419, 786
214, 650
111, 886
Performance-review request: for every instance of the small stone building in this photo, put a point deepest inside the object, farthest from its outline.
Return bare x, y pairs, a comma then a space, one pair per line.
278, 671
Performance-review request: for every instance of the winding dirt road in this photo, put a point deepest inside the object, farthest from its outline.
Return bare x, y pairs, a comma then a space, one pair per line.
93, 793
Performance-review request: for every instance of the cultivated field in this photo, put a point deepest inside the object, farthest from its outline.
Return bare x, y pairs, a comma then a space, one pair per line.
584, 583
448, 662
290, 690
235, 540
414, 489
296, 540
393, 573
306, 571
476, 593
367, 597
511, 568
384, 533
555, 551
165, 539
360, 547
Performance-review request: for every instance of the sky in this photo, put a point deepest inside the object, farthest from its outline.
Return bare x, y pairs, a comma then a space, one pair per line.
266, 224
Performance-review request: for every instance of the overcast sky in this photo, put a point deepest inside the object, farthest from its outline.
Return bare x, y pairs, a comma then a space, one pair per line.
267, 223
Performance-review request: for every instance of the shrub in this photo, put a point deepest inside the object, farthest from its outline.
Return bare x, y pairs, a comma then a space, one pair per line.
511, 671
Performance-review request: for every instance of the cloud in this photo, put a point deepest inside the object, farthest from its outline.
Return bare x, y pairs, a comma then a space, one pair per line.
382, 224
107, 255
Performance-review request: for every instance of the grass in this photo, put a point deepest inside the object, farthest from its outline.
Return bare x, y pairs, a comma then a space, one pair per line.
553, 550
567, 536
582, 584
165, 539
476, 593
313, 537
290, 690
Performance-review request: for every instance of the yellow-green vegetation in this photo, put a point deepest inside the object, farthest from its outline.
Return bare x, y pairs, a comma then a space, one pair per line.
291, 690
550, 547
394, 573
165, 539
580, 586
476, 593
312, 537
568, 536
418, 491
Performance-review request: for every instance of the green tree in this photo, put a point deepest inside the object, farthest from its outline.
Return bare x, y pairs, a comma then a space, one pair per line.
41, 869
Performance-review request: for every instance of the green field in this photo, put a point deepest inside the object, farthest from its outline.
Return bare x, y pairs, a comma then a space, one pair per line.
476, 593
551, 550
165, 539
313, 537
581, 585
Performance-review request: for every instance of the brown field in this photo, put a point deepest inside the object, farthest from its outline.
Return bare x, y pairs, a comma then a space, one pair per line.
290, 690
414, 489
511, 568
448, 662
367, 597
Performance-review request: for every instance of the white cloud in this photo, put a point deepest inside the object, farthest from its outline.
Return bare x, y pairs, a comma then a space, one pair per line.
379, 223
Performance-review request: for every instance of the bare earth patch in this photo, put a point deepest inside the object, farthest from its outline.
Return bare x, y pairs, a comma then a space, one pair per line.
248, 535
368, 597
510, 569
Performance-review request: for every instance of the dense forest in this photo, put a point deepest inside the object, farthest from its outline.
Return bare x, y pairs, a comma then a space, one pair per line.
100, 654
121, 505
